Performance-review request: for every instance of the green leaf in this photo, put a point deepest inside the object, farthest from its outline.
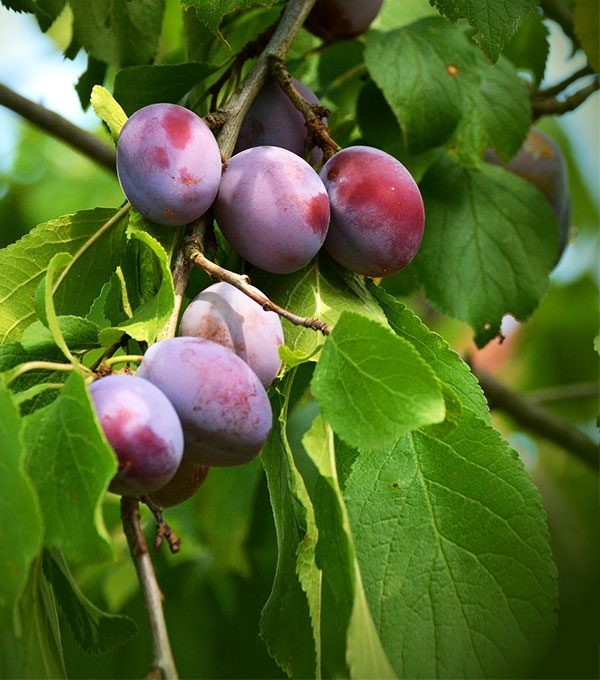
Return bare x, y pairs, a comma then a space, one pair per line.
435, 352
35, 651
442, 90
410, 66
108, 109
95, 631
529, 48
211, 12
149, 290
489, 243
323, 290
20, 521
70, 465
139, 86
349, 639
286, 624
118, 32
496, 21
586, 21
372, 386
78, 333
452, 542
94, 238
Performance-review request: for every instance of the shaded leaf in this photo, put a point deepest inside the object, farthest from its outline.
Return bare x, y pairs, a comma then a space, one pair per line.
489, 244
70, 465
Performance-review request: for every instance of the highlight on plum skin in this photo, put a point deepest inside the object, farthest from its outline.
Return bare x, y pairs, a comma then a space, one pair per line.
168, 164
273, 120
188, 478
377, 212
142, 428
272, 208
226, 315
224, 409
334, 20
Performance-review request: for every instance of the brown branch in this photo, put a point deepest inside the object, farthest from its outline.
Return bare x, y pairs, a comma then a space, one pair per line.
164, 665
557, 89
555, 107
61, 128
530, 416
242, 282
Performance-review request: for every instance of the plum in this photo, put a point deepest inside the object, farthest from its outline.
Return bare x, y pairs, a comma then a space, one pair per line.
377, 213
188, 478
273, 209
224, 314
541, 162
223, 407
273, 120
142, 428
334, 20
168, 163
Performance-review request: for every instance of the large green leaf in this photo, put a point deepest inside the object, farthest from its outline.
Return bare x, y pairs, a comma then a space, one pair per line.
211, 12
95, 239
118, 32
287, 620
372, 386
323, 290
489, 244
442, 90
452, 543
35, 651
435, 351
350, 642
138, 86
496, 21
20, 520
587, 18
95, 631
71, 465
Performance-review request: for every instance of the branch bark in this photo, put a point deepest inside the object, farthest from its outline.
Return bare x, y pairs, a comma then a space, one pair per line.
54, 124
164, 665
530, 416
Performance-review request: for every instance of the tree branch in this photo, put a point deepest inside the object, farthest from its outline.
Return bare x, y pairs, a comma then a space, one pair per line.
164, 665
541, 106
533, 418
59, 127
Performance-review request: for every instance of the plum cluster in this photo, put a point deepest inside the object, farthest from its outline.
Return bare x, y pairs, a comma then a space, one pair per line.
276, 211
197, 400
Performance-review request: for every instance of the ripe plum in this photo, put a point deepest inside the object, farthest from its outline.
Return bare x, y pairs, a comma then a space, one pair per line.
143, 429
334, 20
224, 314
274, 121
223, 407
377, 213
168, 163
273, 209
541, 162
188, 478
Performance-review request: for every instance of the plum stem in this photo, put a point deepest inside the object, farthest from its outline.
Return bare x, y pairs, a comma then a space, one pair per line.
318, 131
164, 665
242, 283
163, 530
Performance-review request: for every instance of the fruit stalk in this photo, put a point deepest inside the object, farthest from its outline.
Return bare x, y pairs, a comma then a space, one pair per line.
164, 665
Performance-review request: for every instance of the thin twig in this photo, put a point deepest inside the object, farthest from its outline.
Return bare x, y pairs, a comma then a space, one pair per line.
561, 86
59, 127
164, 665
242, 282
532, 417
551, 106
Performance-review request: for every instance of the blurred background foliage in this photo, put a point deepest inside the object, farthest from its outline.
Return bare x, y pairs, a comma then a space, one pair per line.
215, 588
